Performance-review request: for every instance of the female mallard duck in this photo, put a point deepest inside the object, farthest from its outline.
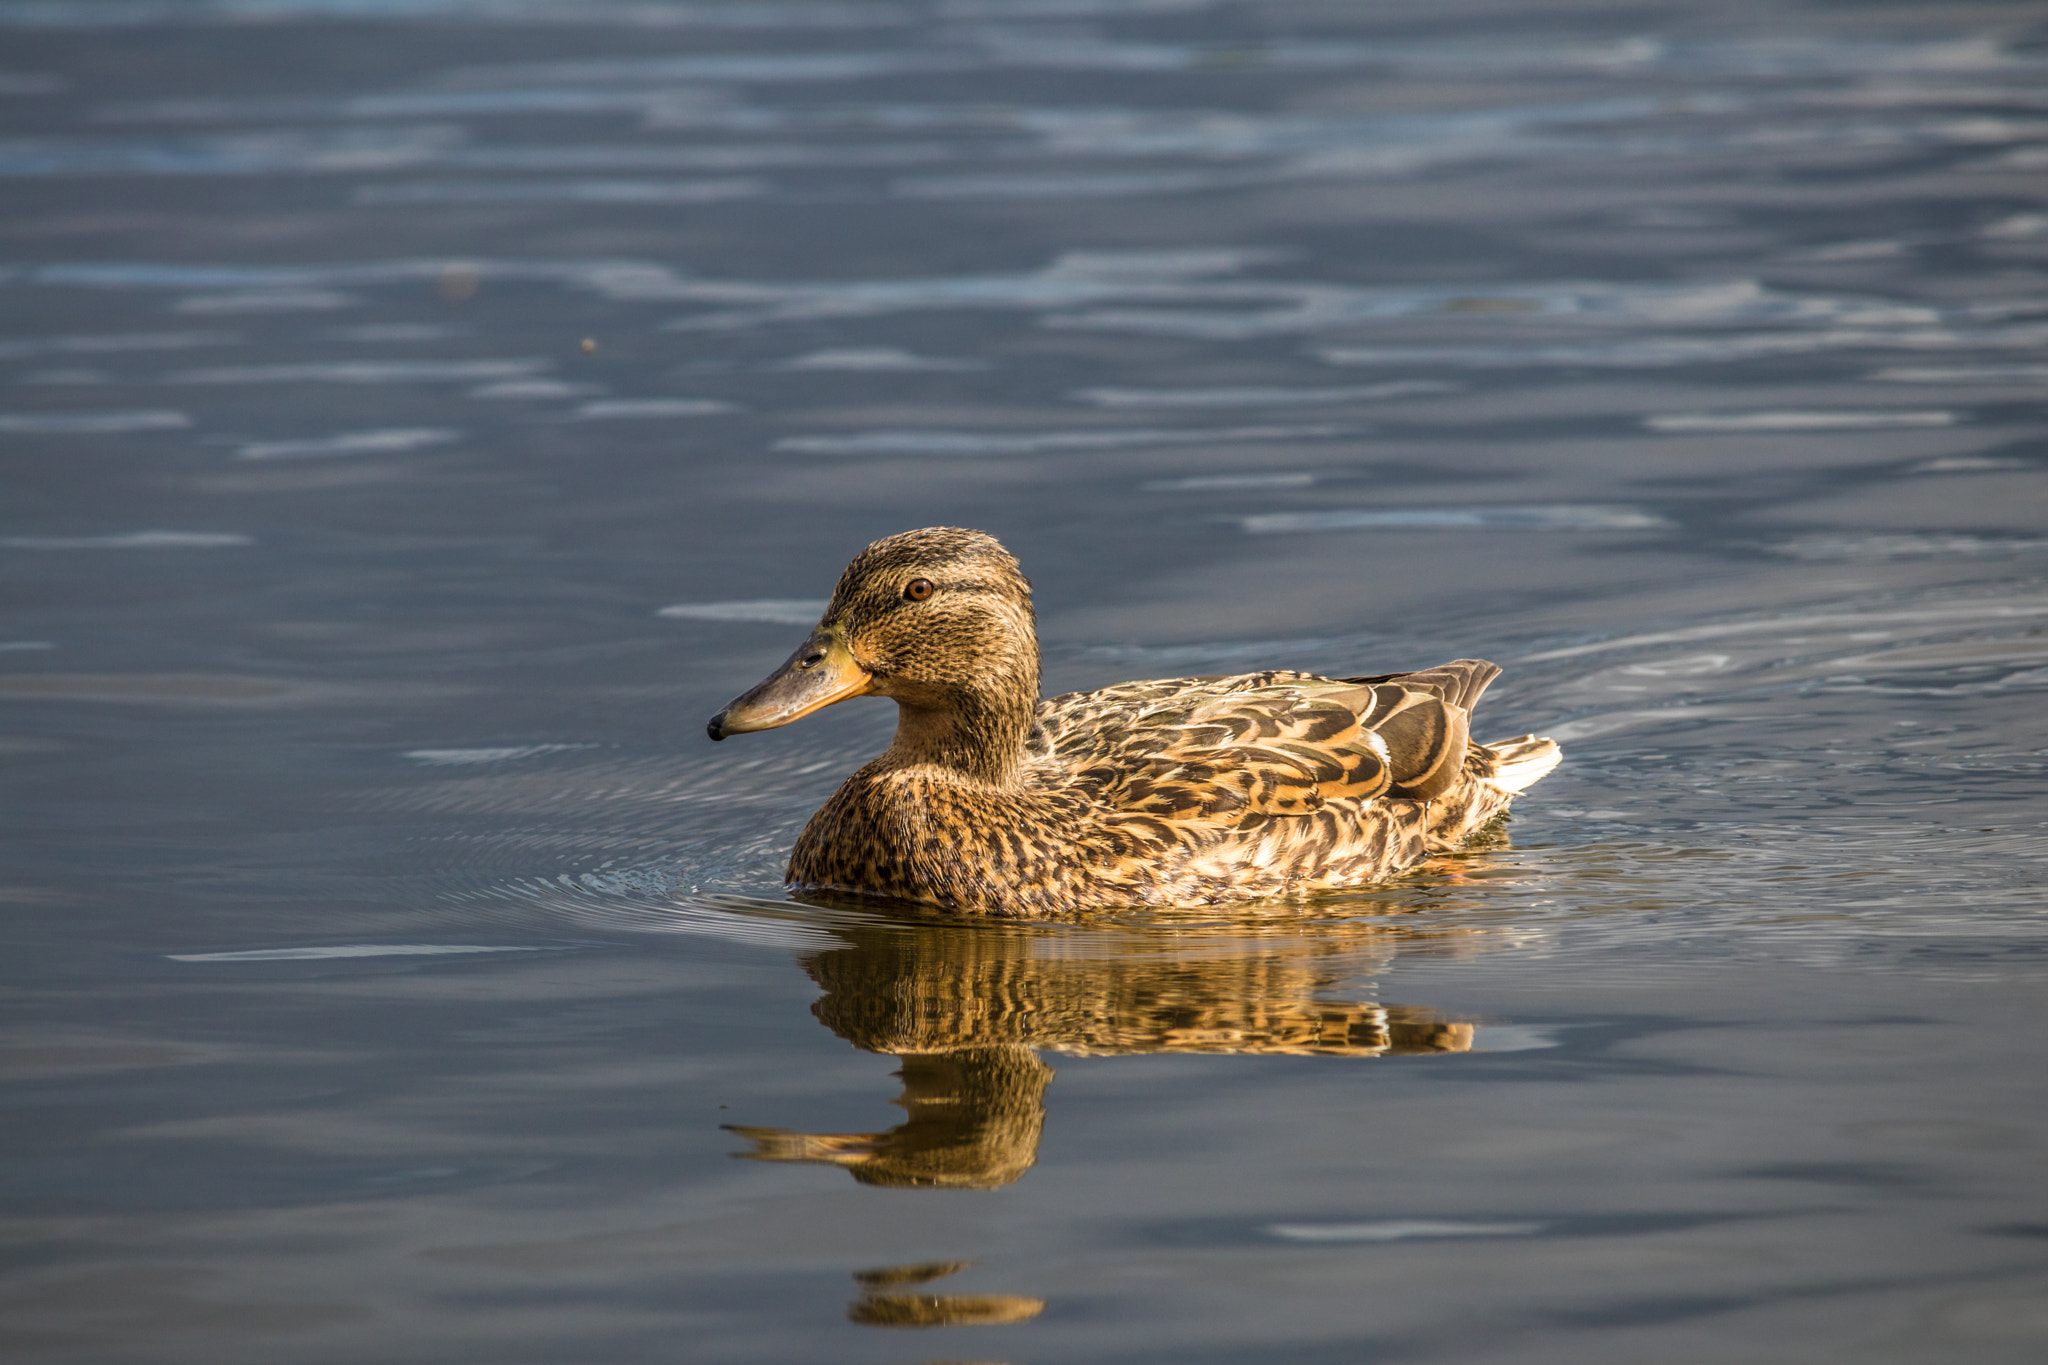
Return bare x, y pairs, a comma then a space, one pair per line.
1172, 792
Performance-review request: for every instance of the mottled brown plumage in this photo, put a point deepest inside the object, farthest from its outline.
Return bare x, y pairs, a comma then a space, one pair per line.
1176, 791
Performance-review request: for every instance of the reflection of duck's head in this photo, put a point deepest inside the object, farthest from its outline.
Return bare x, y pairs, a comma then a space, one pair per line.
975, 1120
965, 1007
882, 1304
940, 620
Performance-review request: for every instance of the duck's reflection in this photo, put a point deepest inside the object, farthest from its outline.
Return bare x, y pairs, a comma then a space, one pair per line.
882, 1302
968, 1009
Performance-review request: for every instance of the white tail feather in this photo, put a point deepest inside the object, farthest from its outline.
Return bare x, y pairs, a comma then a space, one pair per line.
1518, 763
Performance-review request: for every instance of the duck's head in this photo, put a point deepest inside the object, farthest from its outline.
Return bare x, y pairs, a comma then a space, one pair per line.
939, 619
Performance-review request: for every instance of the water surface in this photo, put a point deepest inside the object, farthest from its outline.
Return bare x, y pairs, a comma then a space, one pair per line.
417, 417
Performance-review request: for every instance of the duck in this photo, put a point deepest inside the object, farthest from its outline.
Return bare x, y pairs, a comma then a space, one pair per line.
991, 801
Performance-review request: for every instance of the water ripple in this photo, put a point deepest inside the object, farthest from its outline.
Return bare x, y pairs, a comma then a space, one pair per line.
1507, 518
100, 423
1796, 421
1032, 443
382, 441
131, 540
363, 372
781, 611
1225, 396
633, 14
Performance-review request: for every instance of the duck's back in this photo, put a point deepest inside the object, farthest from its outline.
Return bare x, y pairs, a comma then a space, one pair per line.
1269, 783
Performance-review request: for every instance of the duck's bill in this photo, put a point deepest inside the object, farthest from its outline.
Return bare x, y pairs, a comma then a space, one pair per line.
821, 672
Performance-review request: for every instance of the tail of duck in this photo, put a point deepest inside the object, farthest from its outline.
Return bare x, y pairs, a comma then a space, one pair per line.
1494, 774
1518, 763
1458, 682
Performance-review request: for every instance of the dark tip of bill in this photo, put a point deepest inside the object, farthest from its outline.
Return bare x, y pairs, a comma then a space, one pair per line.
711, 726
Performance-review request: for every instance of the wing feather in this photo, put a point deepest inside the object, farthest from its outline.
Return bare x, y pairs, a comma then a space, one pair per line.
1426, 742
1210, 778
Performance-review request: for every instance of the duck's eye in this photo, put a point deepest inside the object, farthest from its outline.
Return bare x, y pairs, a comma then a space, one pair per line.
917, 589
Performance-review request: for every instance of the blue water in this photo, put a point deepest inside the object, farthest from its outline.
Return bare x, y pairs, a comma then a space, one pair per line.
418, 416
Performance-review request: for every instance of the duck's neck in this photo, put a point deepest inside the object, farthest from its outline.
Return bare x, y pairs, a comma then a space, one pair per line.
975, 737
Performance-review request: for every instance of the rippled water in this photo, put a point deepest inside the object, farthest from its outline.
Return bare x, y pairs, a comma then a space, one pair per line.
419, 415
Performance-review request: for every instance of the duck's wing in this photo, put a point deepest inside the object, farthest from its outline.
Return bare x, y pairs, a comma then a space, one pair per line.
1427, 744
1219, 750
